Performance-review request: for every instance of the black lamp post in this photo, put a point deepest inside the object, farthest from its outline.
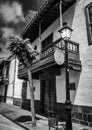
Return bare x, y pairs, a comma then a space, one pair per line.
66, 35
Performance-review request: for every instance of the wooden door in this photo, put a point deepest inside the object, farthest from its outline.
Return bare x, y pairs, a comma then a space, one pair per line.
24, 90
48, 94
5, 94
45, 96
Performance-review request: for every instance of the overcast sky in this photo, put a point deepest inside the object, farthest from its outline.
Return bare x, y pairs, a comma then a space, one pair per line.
12, 16
28, 4
32, 4
13, 12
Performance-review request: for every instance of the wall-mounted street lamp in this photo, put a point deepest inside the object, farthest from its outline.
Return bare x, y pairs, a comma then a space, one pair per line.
66, 32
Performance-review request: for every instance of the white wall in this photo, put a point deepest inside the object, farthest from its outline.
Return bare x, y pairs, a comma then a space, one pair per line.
61, 88
28, 90
84, 91
36, 84
18, 83
11, 78
37, 89
14, 86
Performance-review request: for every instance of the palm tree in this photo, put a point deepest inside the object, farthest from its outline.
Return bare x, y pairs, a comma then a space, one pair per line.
24, 51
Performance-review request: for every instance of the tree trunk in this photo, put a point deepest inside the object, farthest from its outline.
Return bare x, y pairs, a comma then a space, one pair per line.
32, 97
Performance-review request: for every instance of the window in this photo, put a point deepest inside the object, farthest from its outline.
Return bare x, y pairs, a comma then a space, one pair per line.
46, 42
88, 12
7, 70
24, 90
72, 86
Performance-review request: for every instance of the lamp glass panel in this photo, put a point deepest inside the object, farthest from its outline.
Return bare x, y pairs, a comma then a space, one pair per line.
66, 33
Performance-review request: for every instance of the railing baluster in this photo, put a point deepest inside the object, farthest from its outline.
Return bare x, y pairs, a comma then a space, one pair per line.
69, 46
77, 48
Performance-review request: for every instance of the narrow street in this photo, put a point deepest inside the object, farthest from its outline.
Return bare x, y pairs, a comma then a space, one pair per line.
6, 124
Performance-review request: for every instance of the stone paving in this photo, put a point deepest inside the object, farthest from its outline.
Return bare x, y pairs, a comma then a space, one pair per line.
14, 113
6, 124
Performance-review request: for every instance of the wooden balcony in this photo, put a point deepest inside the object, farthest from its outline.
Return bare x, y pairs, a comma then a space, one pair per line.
46, 58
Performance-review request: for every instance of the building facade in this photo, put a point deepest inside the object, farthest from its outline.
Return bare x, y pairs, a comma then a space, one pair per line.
4, 79
48, 76
10, 85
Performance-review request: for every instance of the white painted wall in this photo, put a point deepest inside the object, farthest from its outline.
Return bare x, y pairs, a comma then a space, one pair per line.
18, 83
37, 89
36, 84
28, 90
17, 86
61, 88
84, 91
11, 78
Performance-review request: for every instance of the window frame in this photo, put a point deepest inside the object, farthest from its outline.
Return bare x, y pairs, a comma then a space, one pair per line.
72, 86
50, 35
89, 31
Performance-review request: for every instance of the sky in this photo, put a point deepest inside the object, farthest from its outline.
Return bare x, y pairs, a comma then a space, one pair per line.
12, 17
31, 4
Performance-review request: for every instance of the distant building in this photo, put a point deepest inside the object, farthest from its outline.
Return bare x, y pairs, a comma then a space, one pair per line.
10, 85
4, 80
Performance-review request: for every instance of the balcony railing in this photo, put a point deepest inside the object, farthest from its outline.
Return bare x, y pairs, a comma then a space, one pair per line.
60, 44
46, 56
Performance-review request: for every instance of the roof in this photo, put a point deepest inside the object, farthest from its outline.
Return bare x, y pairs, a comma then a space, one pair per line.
46, 15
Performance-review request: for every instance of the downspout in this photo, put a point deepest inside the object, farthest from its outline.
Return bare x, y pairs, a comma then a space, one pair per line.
61, 19
60, 11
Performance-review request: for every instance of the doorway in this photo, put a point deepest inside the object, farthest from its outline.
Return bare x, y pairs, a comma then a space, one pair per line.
48, 93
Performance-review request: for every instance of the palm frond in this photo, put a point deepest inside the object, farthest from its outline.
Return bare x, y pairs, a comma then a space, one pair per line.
22, 49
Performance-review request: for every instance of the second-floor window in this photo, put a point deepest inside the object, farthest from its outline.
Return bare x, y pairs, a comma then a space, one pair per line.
88, 11
7, 70
46, 42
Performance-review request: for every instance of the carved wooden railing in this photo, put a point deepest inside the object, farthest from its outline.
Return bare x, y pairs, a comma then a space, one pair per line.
73, 52
60, 44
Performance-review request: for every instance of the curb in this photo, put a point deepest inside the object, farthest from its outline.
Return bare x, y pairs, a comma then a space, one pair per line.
15, 122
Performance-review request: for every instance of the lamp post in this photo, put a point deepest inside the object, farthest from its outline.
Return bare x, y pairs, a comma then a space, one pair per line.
66, 35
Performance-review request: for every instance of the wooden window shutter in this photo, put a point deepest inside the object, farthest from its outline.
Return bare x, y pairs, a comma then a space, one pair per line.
72, 86
46, 42
24, 90
88, 12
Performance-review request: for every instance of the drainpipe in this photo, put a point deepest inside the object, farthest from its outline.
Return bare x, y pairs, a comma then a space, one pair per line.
61, 20
60, 9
